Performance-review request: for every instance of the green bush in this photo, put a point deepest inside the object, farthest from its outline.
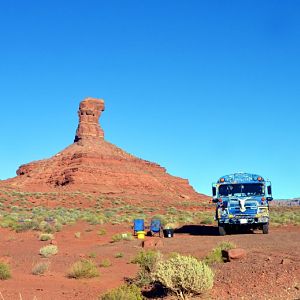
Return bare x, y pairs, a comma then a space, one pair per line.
124, 292
84, 268
184, 275
215, 255
46, 236
40, 268
101, 231
105, 263
147, 261
4, 271
46, 227
49, 250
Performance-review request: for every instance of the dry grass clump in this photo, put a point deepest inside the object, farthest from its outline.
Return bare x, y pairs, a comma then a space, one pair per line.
46, 236
127, 236
4, 271
84, 268
49, 250
105, 263
40, 268
124, 292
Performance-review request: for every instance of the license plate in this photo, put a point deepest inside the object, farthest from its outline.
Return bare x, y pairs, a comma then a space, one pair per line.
243, 221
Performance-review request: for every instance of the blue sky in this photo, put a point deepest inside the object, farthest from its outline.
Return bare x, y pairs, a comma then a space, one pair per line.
204, 88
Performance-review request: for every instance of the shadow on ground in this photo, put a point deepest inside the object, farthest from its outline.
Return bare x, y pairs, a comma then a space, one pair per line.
198, 230
212, 230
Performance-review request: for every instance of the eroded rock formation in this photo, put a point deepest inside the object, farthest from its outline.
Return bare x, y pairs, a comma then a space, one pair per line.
95, 165
89, 112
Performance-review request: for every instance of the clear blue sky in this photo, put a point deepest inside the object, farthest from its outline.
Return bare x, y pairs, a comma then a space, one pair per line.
204, 88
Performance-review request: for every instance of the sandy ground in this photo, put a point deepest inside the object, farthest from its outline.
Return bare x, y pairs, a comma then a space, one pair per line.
271, 269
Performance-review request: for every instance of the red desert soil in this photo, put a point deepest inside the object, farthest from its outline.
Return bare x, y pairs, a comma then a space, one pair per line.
271, 269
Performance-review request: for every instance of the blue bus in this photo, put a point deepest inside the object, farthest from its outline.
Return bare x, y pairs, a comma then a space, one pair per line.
242, 199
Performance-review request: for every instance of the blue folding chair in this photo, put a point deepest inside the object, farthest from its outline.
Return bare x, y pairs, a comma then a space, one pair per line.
138, 225
155, 227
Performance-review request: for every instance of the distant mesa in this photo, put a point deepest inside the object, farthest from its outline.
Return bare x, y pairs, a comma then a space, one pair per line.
92, 164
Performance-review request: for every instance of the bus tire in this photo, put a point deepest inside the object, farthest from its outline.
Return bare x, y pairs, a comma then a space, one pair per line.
222, 230
265, 228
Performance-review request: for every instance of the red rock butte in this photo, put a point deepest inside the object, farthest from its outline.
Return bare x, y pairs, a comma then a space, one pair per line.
92, 164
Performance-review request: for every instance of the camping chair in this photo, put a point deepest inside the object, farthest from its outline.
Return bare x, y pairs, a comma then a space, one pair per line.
155, 227
138, 225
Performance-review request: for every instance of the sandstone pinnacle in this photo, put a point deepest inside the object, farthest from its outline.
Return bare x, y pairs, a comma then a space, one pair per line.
89, 112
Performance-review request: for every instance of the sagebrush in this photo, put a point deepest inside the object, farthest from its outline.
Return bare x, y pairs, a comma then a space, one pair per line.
184, 275
49, 250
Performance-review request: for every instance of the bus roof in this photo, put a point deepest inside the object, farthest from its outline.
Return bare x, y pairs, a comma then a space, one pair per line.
241, 178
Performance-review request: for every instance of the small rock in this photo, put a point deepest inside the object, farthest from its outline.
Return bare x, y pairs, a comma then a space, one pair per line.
234, 254
285, 261
53, 242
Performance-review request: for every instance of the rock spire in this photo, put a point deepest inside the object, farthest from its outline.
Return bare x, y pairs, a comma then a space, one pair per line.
89, 112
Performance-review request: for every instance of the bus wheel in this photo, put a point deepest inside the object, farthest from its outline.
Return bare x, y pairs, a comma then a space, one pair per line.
265, 228
222, 230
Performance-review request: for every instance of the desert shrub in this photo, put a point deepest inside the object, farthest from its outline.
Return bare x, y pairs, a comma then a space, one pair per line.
84, 268
184, 275
46, 236
92, 255
93, 218
105, 263
216, 254
58, 226
119, 255
45, 227
101, 231
147, 261
4, 271
40, 268
24, 225
48, 250
124, 292
127, 236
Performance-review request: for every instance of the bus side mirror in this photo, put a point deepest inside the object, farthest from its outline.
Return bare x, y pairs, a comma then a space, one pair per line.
214, 191
269, 198
215, 200
269, 190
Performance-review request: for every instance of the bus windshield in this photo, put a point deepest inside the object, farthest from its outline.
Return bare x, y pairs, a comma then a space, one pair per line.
245, 189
